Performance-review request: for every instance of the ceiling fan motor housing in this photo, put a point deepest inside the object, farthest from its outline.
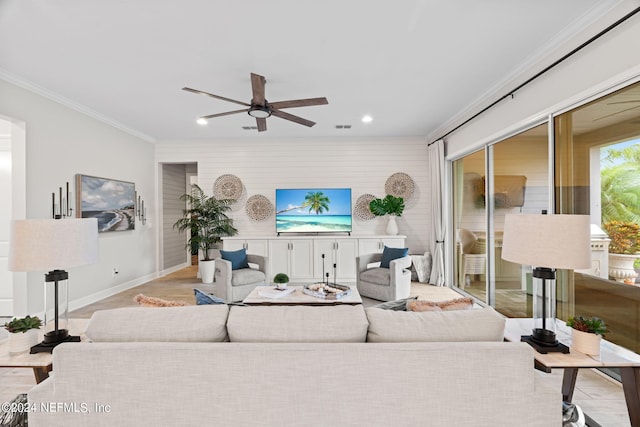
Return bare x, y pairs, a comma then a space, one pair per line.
259, 111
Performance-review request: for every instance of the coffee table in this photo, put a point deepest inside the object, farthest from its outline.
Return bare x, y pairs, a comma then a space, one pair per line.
611, 356
297, 297
39, 362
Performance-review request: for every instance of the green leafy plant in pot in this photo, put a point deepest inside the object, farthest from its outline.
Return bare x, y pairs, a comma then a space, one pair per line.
23, 333
281, 280
392, 206
205, 219
586, 334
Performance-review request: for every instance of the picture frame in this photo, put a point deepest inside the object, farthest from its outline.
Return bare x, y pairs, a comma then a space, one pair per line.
111, 201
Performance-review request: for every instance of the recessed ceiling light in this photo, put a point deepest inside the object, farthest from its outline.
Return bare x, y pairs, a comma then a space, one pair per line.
367, 119
201, 121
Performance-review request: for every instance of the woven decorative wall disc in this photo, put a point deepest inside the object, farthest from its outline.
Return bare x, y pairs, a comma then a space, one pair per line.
258, 207
361, 209
227, 187
400, 185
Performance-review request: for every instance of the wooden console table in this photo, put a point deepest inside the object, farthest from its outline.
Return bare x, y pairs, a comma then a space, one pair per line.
611, 356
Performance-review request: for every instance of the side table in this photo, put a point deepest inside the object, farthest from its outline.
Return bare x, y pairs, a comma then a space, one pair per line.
611, 356
39, 362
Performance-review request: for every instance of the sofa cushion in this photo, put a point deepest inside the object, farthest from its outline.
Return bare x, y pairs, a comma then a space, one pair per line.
389, 254
398, 305
377, 276
245, 276
194, 323
340, 323
483, 324
238, 259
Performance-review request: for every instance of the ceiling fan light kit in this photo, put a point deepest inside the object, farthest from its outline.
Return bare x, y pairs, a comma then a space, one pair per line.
260, 109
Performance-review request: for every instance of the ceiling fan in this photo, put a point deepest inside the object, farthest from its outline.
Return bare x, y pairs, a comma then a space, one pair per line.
260, 108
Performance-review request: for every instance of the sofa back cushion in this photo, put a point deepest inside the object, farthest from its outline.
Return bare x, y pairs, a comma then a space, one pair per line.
196, 323
340, 323
461, 325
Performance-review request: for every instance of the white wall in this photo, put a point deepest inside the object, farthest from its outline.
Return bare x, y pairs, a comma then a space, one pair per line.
608, 62
266, 164
61, 142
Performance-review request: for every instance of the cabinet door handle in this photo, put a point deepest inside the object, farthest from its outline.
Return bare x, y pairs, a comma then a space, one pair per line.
336, 246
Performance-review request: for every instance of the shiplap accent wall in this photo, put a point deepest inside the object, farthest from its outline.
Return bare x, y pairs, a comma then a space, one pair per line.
174, 182
266, 164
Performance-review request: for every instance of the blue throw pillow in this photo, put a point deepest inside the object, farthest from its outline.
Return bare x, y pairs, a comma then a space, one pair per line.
237, 258
389, 254
203, 298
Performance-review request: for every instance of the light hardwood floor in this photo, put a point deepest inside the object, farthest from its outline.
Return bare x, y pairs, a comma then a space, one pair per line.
600, 397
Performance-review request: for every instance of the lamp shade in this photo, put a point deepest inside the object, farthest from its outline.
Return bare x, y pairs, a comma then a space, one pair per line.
551, 241
50, 244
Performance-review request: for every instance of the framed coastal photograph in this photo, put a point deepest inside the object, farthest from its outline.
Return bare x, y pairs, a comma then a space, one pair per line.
111, 201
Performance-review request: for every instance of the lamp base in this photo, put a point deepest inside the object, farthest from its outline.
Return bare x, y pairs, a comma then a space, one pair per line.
47, 347
544, 348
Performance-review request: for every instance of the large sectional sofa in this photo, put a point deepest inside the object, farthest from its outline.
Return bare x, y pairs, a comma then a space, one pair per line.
293, 366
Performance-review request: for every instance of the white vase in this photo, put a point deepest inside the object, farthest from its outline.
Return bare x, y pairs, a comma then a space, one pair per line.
22, 341
392, 226
585, 342
621, 267
207, 270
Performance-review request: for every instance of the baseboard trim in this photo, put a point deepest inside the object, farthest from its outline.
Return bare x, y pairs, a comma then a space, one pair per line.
95, 297
174, 269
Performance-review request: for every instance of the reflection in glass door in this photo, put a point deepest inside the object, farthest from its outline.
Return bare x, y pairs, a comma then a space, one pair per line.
520, 177
470, 225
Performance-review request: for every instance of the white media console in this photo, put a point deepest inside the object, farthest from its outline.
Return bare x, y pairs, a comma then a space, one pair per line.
300, 257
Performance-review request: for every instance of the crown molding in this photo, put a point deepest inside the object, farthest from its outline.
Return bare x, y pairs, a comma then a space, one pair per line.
83, 109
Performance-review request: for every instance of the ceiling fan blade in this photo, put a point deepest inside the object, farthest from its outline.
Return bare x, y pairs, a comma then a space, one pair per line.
262, 124
211, 116
257, 86
200, 92
299, 103
625, 102
292, 118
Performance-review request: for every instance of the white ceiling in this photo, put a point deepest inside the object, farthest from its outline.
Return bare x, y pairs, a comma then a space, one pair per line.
412, 65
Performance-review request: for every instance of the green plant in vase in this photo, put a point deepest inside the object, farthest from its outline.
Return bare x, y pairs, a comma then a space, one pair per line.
392, 206
624, 250
592, 325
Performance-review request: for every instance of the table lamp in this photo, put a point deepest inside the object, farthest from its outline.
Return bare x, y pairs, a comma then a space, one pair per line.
51, 245
547, 243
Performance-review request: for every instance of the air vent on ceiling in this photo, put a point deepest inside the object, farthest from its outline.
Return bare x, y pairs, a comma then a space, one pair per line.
343, 126
250, 127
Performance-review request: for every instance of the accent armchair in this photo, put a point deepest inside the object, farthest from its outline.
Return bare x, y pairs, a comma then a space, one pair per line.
384, 284
235, 285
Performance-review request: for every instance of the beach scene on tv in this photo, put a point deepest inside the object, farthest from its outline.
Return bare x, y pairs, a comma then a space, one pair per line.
313, 210
111, 202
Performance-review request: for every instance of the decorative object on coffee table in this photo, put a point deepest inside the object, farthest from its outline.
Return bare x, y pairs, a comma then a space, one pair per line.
281, 280
50, 245
547, 242
362, 210
23, 333
228, 187
586, 334
400, 185
258, 207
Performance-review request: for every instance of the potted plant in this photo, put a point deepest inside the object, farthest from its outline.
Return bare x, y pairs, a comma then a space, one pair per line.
23, 333
205, 219
391, 206
586, 334
624, 249
281, 280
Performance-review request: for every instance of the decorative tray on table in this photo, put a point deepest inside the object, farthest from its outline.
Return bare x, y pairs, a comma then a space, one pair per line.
326, 290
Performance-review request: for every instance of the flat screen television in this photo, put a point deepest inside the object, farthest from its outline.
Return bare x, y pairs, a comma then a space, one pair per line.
313, 210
